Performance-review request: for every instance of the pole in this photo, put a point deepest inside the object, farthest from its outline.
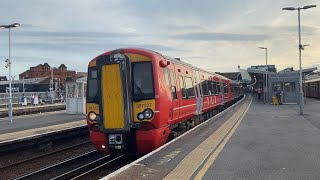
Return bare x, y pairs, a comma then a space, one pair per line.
266, 91
300, 80
51, 82
10, 81
23, 84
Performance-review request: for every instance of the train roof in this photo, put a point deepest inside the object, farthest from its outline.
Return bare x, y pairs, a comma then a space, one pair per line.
189, 65
170, 59
313, 80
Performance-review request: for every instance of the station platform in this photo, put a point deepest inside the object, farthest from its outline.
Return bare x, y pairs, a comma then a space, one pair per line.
21, 110
30, 125
252, 140
31, 106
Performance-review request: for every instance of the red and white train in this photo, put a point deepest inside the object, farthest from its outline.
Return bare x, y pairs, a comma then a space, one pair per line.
139, 99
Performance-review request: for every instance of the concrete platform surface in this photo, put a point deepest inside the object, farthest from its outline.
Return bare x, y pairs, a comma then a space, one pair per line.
33, 121
265, 142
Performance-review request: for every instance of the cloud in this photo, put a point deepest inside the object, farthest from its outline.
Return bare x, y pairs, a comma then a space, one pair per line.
310, 30
202, 33
209, 36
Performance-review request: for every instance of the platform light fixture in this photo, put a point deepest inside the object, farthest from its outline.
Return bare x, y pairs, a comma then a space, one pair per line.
9, 62
265, 92
300, 47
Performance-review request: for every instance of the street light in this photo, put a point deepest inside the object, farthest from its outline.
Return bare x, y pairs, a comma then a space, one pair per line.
300, 48
8, 61
266, 84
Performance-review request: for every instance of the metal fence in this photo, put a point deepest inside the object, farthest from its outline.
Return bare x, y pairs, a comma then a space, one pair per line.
4, 97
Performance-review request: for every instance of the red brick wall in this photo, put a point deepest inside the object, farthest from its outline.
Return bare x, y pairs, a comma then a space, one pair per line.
43, 71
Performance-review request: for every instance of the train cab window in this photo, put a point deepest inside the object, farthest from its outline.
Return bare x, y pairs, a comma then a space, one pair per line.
142, 81
205, 88
173, 85
189, 87
182, 87
92, 92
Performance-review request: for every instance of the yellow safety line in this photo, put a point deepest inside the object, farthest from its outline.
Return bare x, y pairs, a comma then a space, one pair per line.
187, 167
215, 154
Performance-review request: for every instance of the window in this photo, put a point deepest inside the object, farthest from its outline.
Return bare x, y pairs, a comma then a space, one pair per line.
218, 87
92, 85
173, 85
225, 88
289, 87
182, 87
205, 88
214, 87
142, 80
166, 76
276, 86
189, 87
210, 88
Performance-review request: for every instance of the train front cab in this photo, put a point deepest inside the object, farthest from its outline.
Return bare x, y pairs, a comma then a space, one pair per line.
122, 106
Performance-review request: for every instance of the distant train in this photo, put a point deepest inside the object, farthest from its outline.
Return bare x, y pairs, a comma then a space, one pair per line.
312, 88
139, 99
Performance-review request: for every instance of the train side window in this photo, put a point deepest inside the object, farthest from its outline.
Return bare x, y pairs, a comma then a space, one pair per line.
182, 87
214, 88
218, 87
225, 88
189, 87
173, 85
205, 88
210, 88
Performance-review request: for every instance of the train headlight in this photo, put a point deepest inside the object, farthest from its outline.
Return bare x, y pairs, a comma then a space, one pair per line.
92, 116
140, 116
148, 113
145, 114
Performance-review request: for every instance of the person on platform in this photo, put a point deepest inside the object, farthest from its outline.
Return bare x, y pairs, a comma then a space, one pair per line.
24, 103
32, 99
259, 91
279, 94
35, 100
61, 98
40, 99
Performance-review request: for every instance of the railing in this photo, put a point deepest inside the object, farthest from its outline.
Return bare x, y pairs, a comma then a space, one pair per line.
4, 97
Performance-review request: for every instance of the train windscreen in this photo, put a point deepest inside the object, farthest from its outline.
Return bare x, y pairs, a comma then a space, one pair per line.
92, 92
142, 81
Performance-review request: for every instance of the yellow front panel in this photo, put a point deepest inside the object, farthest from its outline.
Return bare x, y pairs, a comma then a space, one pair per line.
142, 105
112, 97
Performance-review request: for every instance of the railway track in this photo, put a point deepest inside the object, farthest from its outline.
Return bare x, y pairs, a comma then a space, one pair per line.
73, 168
37, 157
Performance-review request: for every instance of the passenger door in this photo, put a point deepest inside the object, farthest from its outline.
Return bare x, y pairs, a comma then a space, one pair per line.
173, 87
199, 96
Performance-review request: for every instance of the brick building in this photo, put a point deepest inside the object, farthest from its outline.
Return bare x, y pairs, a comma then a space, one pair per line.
60, 74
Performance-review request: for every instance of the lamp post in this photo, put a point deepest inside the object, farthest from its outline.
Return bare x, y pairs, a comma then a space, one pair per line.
301, 47
266, 79
8, 61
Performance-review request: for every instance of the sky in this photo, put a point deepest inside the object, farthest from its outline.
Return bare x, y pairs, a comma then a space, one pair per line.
215, 35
